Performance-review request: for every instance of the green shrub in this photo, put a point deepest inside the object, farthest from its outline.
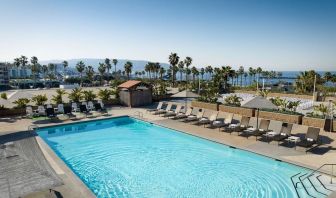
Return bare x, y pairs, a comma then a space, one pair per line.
233, 100
21, 103
89, 95
40, 99
105, 94
76, 95
3, 96
58, 99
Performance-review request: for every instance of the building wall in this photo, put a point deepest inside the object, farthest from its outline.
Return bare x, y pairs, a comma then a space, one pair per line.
135, 98
4, 76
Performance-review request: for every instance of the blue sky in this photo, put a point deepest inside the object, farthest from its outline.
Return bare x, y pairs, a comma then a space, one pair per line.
274, 34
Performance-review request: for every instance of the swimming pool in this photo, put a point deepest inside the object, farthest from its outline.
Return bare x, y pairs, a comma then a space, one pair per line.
126, 157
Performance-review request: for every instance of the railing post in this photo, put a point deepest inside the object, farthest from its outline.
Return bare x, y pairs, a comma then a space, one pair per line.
332, 173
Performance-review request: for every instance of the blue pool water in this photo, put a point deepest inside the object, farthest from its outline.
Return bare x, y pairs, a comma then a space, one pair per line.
125, 157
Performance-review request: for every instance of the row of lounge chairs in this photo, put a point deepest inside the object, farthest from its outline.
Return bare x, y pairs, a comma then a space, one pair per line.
245, 126
82, 110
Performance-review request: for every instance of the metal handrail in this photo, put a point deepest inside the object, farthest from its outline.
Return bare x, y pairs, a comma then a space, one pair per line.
316, 170
139, 114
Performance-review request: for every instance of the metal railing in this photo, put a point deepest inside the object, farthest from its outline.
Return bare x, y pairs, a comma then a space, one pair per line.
138, 114
318, 170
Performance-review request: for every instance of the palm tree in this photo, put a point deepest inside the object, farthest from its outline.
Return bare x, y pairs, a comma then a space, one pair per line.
108, 65
162, 72
17, 63
128, 68
245, 76
226, 73
101, 70
181, 66
24, 61
173, 60
89, 72
80, 66
44, 69
148, 69
241, 73
65, 65
51, 69
209, 70
187, 62
115, 62
157, 67
328, 76
259, 71
194, 72
35, 68
202, 72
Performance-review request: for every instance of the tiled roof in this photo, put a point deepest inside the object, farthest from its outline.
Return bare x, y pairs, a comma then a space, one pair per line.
129, 84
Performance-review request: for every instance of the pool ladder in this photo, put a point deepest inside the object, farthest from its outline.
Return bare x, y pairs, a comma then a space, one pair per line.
138, 114
307, 176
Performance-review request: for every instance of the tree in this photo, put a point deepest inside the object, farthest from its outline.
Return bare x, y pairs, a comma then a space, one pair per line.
128, 68
241, 73
108, 65
162, 72
35, 69
76, 95
40, 99
173, 60
202, 72
187, 62
115, 62
58, 98
51, 70
181, 70
245, 76
89, 95
101, 70
328, 76
305, 81
259, 70
21, 103
44, 70
209, 70
89, 73
24, 61
80, 66
17, 63
105, 94
65, 65
194, 72
226, 73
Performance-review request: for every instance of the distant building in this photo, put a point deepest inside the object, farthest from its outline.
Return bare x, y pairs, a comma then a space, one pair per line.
19, 72
4, 76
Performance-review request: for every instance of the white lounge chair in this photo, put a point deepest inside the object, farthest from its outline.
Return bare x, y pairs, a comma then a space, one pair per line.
162, 111
41, 110
204, 121
173, 113
29, 111
183, 115
195, 117
60, 108
159, 107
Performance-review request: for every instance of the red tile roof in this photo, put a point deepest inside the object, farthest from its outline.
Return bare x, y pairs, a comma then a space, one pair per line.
129, 84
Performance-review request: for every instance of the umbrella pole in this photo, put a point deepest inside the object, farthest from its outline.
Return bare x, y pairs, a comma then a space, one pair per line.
257, 118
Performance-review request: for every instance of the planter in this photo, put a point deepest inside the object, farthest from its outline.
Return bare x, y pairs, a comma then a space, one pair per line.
12, 112
161, 97
204, 105
314, 122
295, 119
237, 110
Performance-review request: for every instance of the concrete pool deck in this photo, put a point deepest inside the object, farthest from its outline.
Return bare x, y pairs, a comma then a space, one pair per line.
74, 187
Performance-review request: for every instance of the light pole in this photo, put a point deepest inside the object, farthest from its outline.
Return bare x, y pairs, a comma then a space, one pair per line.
331, 116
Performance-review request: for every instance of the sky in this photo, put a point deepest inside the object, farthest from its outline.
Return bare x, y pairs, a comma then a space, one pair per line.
283, 35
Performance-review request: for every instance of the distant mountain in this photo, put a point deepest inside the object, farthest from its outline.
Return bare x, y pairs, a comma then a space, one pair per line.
138, 65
